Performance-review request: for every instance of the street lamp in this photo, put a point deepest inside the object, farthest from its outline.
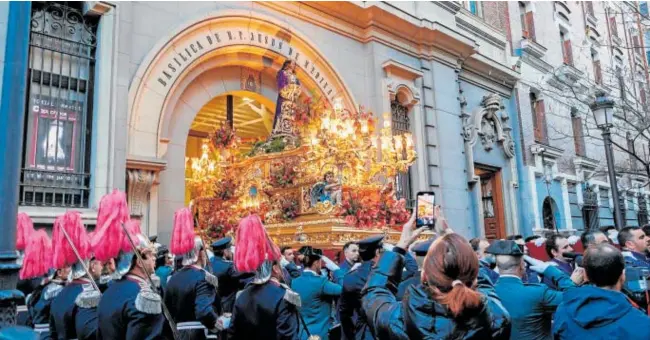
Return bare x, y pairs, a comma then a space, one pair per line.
603, 110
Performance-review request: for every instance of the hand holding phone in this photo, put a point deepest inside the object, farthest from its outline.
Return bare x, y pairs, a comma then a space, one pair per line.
425, 204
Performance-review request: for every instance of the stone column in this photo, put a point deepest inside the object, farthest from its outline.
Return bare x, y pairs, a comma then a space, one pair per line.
12, 118
142, 177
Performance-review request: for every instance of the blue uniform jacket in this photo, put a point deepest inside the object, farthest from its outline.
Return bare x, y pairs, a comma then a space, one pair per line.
265, 311
635, 259
484, 267
419, 316
353, 320
567, 268
39, 304
404, 285
531, 306
293, 270
229, 282
594, 313
63, 311
120, 317
190, 297
317, 294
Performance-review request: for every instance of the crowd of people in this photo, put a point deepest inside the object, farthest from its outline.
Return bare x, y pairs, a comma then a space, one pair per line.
114, 283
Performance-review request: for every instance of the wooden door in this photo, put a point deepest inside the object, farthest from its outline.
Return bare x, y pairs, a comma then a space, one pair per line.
492, 203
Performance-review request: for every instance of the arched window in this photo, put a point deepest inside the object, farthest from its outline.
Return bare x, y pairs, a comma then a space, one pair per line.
401, 123
549, 208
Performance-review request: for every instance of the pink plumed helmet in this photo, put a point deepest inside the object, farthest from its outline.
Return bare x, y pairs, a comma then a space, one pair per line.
109, 237
183, 233
24, 228
63, 253
253, 245
38, 256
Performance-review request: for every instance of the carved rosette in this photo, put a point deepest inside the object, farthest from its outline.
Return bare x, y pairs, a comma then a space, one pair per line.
140, 183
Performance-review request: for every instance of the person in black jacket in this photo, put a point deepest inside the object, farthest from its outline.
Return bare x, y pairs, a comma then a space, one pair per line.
445, 305
267, 308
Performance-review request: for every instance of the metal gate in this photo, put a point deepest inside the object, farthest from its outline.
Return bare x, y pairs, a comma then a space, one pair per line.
59, 104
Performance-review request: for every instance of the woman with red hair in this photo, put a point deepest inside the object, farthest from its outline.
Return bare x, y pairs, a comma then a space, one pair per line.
445, 305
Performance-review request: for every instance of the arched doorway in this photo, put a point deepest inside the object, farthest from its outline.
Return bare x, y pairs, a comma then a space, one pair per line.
247, 113
206, 59
549, 214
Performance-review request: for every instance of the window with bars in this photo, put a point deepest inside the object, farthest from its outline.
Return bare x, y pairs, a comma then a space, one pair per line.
401, 124
58, 125
590, 208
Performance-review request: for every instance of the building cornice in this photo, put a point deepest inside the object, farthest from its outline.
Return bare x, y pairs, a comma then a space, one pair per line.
418, 37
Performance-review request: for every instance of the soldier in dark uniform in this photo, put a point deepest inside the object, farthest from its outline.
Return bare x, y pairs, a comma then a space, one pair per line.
64, 308
39, 302
531, 305
353, 320
86, 318
420, 250
191, 292
130, 308
266, 308
224, 269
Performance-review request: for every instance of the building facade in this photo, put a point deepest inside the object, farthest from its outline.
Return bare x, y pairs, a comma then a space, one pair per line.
567, 52
120, 95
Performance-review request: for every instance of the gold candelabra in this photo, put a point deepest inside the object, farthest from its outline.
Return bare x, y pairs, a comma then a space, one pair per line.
397, 152
203, 169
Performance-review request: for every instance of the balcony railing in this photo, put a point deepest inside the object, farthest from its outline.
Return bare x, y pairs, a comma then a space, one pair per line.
47, 188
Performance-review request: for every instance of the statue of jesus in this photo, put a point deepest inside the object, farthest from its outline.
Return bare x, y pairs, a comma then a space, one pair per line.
288, 93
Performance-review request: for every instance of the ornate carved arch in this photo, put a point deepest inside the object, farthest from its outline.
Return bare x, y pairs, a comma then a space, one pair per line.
489, 122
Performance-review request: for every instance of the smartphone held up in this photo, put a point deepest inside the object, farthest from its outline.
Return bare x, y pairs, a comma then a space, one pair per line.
425, 204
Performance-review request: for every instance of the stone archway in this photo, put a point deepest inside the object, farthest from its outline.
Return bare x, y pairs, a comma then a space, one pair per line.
198, 62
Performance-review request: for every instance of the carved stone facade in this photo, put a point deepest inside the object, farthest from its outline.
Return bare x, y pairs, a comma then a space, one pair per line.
139, 185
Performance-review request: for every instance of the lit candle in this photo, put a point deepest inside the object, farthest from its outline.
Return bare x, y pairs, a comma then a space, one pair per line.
338, 105
364, 127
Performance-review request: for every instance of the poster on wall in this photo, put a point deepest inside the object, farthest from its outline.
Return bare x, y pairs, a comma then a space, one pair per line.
55, 133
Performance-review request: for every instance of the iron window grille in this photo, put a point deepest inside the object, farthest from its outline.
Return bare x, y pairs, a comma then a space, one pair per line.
57, 135
401, 124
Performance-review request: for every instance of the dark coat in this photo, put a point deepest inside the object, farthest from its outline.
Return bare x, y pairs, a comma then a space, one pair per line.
419, 316
594, 313
39, 304
531, 306
190, 296
86, 324
353, 320
265, 311
63, 311
229, 282
119, 316
294, 270
634, 259
404, 285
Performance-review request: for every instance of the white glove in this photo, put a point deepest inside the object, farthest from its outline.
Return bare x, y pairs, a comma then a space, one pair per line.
283, 262
388, 247
613, 236
573, 239
540, 241
536, 265
330, 264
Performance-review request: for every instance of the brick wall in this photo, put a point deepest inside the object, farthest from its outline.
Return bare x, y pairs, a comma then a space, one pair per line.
495, 14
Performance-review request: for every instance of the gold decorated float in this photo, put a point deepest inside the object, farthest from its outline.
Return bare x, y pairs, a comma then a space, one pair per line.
324, 177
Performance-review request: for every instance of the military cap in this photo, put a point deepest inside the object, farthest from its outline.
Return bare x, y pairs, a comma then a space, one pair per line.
153, 239
369, 245
504, 247
305, 250
222, 243
421, 248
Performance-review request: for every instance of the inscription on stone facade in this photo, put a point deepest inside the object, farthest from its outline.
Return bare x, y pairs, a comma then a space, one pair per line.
211, 40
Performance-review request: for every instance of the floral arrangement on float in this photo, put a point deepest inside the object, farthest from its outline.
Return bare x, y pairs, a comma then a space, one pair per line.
225, 188
367, 209
282, 174
224, 137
